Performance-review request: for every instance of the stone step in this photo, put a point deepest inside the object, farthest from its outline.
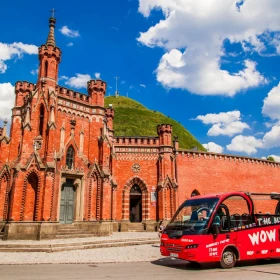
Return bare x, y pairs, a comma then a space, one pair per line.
58, 244
130, 226
78, 235
76, 246
68, 226
136, 226
71, 231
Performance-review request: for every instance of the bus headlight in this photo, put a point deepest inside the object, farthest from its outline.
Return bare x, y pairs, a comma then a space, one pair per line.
192, 246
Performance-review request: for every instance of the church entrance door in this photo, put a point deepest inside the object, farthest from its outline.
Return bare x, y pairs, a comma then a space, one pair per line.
67, 202
135, 204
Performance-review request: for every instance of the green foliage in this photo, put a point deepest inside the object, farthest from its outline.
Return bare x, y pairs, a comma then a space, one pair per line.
133, 119
270, 159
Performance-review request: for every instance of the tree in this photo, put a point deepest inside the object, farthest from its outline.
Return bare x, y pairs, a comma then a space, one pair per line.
270, 158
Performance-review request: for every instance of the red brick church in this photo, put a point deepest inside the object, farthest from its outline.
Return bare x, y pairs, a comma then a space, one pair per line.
62, 164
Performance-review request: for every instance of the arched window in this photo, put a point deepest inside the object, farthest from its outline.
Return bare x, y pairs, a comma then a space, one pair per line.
195, 193
135, 190
46, 68
70, 157
31, 198
41, 121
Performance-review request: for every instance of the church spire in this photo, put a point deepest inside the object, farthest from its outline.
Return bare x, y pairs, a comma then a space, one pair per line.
49, 57
51, 39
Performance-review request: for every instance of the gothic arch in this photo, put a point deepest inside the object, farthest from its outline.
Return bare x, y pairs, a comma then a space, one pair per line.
94, 197
70, 157
31, 196
46, 68
167, 201
145, 198
195, 192
5, 194
41, 119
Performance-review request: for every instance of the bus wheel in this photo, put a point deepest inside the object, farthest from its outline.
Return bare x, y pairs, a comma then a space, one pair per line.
228, 259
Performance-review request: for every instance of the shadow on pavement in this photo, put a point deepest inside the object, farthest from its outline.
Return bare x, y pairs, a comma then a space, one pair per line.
181, 264
185, 265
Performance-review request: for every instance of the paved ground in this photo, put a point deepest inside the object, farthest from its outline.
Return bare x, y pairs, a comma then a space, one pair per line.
163, 269
131, 262
100, 255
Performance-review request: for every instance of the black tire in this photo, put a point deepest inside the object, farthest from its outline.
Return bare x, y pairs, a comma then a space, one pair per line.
228, 259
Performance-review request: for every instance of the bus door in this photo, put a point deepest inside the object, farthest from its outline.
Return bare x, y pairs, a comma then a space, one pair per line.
219, 235
242, 224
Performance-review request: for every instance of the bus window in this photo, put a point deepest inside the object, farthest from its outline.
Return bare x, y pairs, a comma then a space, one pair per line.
192, 217
238, 211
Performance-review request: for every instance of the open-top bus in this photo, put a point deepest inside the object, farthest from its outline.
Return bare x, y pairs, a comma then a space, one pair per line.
224, 228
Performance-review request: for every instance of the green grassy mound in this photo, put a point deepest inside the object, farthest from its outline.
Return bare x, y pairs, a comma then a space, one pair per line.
133, 119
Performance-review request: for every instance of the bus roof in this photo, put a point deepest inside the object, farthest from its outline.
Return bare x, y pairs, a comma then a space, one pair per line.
272, 195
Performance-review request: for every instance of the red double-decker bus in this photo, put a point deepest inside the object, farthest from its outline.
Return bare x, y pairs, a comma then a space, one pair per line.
224, 228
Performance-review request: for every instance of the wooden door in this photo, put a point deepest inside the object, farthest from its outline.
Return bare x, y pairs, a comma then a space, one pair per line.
67, 203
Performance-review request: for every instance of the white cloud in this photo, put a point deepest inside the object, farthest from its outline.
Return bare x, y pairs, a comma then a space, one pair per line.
213, 147
70, 44
193, 34
223, 117
34, 72
14, 50
97, 75
7, 96
245, 144
271, 138
249, 144
271, 106
79, 81
142, 85
227, 129
68, 32
3, 67
63, 78
224, 123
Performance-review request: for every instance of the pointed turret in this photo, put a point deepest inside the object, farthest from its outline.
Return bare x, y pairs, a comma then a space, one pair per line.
49, 57
51, 39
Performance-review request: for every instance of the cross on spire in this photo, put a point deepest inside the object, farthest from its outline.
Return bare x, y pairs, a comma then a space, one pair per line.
53, 11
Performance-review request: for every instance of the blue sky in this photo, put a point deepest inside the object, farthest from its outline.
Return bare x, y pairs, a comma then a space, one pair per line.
211, 65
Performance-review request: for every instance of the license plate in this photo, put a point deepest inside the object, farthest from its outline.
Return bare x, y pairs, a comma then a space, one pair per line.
173, 255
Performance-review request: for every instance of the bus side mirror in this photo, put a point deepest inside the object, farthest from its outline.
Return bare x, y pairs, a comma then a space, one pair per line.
215, 229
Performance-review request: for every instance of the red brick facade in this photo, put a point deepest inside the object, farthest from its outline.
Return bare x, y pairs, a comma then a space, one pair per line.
60, 139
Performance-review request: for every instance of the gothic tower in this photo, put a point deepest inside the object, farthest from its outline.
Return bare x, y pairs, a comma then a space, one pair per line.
49, 57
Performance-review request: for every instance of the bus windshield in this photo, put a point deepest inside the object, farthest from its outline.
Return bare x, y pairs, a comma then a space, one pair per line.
193, 216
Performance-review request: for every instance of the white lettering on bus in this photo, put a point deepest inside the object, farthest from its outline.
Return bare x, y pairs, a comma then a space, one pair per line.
264, 252
250, 253
187, 240
262, 236
212, 244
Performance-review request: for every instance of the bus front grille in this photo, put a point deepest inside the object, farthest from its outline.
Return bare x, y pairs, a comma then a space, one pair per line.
174, 247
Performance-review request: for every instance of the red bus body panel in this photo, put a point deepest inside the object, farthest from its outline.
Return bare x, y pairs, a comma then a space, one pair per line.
254, 242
